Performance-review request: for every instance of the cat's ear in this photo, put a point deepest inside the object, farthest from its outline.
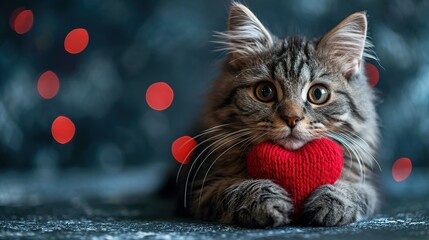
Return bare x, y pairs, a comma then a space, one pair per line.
246, 35
345, 43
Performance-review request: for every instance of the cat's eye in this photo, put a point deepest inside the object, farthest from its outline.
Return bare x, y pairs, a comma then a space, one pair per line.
265, 91
318, 94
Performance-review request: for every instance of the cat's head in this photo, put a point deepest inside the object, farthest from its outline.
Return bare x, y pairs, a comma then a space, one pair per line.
291, 91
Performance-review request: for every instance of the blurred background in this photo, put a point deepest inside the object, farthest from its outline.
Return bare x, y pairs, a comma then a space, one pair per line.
91, 63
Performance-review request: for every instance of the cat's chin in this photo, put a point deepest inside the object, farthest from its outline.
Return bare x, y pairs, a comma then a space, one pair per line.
291, 143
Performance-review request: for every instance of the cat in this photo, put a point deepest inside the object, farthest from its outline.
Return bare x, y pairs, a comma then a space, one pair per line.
287, 91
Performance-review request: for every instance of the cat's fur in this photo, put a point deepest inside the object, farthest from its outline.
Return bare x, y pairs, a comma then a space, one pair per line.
216, 181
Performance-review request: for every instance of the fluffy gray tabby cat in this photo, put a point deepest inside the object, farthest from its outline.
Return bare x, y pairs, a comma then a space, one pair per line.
288, 91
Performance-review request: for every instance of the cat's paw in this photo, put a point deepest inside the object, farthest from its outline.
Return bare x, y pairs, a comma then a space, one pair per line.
331, 206
264, 205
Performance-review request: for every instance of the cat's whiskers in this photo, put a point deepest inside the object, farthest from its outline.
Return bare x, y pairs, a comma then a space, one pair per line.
345, 146
211, 165
238, 136
356, 148
353, 155
208, 170
203, 133
365, 148
350, 146
221, 136
250, 141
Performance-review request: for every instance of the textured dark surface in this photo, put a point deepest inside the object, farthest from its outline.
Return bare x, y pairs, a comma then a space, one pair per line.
92, 206
111, 220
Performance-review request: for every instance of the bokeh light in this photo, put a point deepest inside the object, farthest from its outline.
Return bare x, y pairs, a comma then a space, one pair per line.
63, 129
13, 16
48, 85
159, 96
401, 169
372, 74
182, 149
76, 41
22, 20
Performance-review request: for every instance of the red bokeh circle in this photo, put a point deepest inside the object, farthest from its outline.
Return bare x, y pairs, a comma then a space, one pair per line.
159, 96
182, 149
13, 16
63, 129
48, 85
23, 21
401, 169
76, 41
372, 74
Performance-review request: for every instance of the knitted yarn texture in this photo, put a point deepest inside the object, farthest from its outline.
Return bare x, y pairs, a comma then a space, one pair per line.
300, 172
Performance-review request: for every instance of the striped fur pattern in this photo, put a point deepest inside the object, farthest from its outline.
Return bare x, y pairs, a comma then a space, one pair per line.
216, 185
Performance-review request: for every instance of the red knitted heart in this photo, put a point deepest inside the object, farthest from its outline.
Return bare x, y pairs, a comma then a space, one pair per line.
300, 172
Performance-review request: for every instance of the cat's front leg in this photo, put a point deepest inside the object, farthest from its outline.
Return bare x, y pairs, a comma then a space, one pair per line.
257, 203
340, 204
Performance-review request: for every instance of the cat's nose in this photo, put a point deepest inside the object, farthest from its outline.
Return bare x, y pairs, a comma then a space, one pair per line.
292, 121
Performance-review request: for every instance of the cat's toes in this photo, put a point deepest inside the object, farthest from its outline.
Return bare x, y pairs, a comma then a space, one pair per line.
329, 206
271, 212
268, 209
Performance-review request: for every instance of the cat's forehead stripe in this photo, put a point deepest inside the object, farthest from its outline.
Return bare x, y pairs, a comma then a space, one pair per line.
291, 66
